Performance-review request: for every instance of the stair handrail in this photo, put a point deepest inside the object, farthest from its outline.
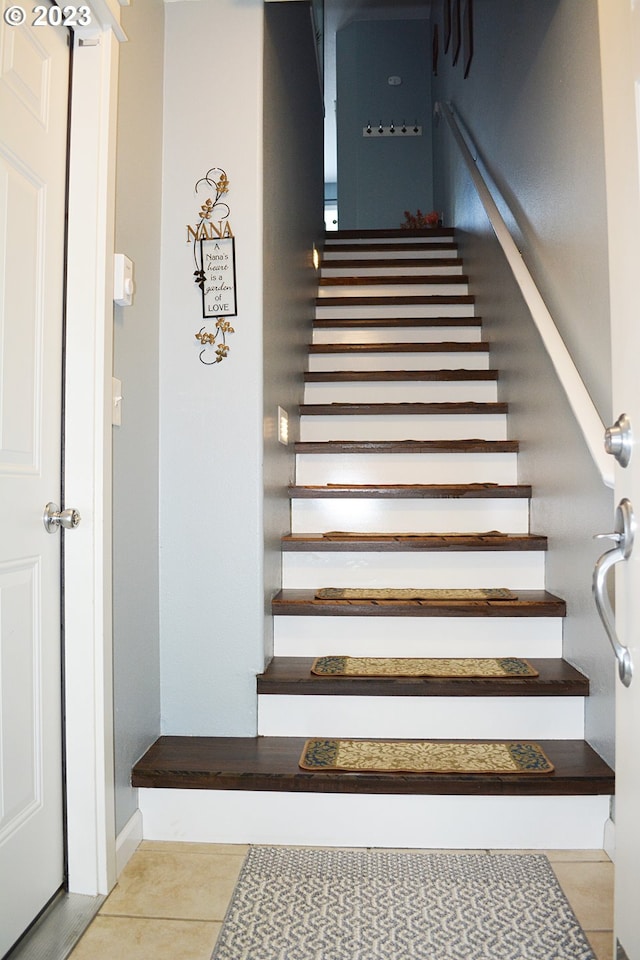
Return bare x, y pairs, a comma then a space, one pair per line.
584, 410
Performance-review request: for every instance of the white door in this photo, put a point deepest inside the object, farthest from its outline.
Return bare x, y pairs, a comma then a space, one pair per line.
34, 80
620, 44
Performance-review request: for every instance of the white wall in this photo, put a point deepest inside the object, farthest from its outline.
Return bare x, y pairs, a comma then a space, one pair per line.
135, 442
532, 102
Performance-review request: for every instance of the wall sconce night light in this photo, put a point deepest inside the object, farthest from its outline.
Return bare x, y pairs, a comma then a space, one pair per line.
315, 256
283, 426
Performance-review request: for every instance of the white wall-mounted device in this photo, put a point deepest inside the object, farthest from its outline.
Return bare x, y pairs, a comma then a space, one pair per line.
122, 280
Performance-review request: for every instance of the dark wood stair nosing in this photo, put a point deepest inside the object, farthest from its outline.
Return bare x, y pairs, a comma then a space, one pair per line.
470, 445
461, 299
399, 376
371, 233
440, 346
271, 764
406, 407
359, 322
443, 491
292, 676
370, 263
427, 279
407, 543
529, 603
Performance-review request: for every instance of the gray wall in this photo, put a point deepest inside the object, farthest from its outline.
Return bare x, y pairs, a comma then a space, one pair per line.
532, 103
211, 532
135, 443
293, 222
378, 179
218, 447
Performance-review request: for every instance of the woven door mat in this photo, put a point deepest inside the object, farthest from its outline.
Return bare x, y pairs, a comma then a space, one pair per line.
425, 756
406, 593
445, 667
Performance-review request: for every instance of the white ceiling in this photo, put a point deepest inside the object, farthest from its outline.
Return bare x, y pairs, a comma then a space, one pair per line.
337, 14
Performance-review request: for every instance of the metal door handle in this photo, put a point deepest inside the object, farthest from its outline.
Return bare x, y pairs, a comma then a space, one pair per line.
623, 536
53, 518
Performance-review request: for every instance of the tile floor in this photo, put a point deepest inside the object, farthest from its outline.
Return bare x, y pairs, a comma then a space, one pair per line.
171, 898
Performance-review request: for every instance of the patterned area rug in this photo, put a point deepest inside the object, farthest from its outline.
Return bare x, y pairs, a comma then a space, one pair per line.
313, 904
445, 667
406, 593
424, 756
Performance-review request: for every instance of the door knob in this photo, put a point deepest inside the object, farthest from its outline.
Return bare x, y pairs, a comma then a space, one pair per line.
618, 440
53, 518
623, 537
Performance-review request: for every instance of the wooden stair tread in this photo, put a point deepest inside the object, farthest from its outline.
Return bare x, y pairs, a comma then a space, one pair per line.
371, 233
529, 603
350, 245
472, 445
442, 346
367, 264
413, 491
403, 407
391, 300
394, 542
292, 676
366, 322
372, 376
271, 764
374, 279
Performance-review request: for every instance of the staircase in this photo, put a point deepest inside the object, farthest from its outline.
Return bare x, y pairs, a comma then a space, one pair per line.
397, 354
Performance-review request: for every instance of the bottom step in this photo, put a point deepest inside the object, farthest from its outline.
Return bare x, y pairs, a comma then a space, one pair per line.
251, 790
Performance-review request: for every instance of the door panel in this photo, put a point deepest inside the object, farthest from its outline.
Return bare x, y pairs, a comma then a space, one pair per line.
34, 80
620, 58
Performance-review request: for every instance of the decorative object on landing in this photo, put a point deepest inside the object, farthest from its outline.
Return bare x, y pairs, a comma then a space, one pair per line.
305, 904
420, 220
410, 593
449, 667
215, 264
425, 756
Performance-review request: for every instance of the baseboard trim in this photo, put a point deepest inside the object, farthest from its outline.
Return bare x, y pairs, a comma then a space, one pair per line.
127, 841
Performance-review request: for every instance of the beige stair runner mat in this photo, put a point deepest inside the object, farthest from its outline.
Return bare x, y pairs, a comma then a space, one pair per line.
426, 757
353, 535
402, 593
446, 667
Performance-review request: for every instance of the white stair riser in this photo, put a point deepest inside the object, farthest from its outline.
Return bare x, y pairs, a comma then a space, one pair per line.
333, 254
418, 636
466, 334
357, 820
518, 570
402, 391
399, 361
394, 311
406, 468
407, 516
399, 426
430, 718
395, 290
417, 270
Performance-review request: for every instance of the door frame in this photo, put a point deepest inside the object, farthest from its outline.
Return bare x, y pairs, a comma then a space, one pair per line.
87, 577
